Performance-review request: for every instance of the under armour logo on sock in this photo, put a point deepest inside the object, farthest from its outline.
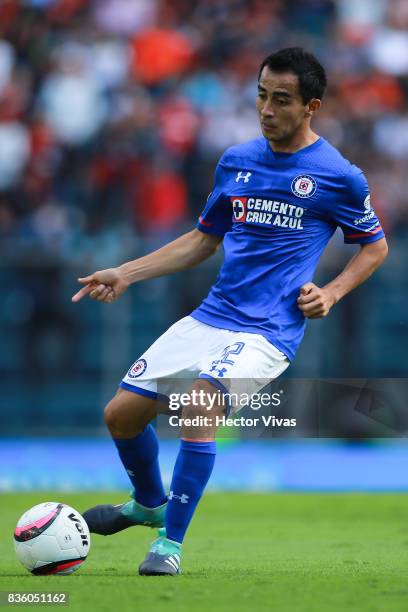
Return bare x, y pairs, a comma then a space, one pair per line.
183, 497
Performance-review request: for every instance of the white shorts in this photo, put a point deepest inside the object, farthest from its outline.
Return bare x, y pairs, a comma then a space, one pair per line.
235, 362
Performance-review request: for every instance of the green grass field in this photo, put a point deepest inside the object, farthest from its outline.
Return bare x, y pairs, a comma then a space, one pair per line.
298, 552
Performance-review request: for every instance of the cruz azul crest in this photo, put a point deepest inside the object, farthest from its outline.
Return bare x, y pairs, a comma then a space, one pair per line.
304, 186
137, 368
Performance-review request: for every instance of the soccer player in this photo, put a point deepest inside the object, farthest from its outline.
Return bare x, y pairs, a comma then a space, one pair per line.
276, 202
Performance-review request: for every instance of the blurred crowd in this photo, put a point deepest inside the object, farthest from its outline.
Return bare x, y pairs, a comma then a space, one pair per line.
113, 113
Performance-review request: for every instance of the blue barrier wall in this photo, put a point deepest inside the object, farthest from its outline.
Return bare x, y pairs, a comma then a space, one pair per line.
93, 464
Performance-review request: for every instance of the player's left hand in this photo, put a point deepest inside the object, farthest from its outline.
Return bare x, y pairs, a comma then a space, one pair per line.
315, 302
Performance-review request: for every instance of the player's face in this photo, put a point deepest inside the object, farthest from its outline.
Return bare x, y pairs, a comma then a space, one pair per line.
282, 112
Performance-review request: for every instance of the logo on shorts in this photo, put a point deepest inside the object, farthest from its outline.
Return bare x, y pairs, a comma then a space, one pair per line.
137, 368
239, 208
304, 186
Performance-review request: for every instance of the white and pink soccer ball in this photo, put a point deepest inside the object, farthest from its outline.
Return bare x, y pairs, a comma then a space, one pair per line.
51, 538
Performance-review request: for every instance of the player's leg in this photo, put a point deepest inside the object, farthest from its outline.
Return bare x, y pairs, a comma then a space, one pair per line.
192, 470
244, 365
128, 417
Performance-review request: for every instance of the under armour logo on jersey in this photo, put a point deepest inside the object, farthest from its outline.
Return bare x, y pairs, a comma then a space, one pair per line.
183, 497
241, 175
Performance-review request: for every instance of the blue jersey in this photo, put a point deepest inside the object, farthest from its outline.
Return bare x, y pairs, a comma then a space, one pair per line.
277, 212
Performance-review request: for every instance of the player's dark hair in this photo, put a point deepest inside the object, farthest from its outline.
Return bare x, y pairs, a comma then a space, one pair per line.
311, 74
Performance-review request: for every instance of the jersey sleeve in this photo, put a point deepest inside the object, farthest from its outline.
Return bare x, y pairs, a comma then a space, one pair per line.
355, 215
216, 218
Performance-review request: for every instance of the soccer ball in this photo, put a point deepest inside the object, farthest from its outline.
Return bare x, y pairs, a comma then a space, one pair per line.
51, 538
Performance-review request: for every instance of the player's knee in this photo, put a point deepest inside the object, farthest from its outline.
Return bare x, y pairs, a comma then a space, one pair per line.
206, 401
112, 417
117, 420
200, 415
192, 411
127, 414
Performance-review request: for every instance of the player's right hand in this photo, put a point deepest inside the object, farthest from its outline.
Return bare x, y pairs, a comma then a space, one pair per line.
104, 286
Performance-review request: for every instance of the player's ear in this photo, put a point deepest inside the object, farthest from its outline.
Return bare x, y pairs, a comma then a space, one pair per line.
312, 106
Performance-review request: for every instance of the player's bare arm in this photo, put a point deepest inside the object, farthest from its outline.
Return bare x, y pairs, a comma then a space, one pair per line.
316, 302
187, 251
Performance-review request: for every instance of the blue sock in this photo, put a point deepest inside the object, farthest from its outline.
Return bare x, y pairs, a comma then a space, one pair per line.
139, 456
192, 471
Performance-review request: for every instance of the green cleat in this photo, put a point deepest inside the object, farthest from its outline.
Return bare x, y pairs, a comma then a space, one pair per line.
106, 519
163, 558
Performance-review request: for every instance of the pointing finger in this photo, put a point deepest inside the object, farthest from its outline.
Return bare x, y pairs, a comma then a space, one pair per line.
82, 293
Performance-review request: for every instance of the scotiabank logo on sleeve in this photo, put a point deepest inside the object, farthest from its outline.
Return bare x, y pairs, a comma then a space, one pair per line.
239, 208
